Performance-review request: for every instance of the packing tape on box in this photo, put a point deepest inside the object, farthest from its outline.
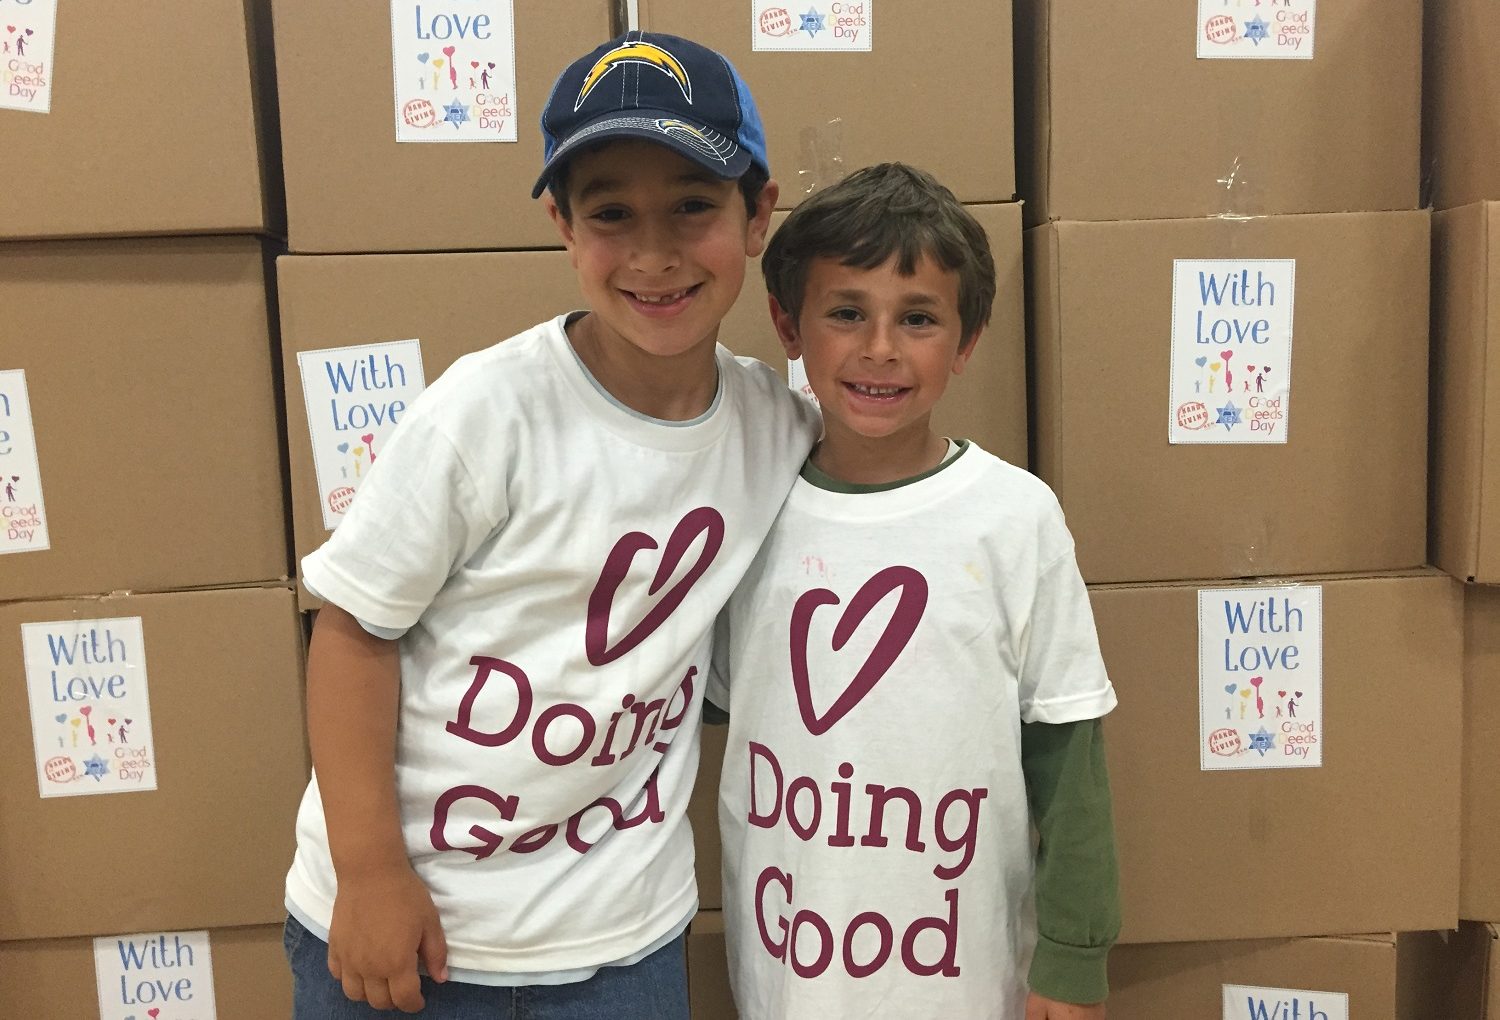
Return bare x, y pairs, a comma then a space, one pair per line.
820, 157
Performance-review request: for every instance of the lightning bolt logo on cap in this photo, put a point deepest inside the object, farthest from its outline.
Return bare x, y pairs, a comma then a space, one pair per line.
635, 53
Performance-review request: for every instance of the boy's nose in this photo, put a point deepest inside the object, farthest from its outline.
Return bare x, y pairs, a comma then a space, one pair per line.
656, 249
879, 343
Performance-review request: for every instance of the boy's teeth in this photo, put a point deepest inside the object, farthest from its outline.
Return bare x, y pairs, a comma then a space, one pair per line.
876, 391
664, 299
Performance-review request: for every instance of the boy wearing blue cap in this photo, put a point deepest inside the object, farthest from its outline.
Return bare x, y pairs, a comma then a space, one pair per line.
505, 687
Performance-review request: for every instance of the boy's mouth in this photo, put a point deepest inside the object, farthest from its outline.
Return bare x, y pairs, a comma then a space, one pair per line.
664, 301
880, 394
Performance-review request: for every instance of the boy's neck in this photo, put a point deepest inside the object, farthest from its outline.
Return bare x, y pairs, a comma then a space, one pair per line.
678, 388
862, 460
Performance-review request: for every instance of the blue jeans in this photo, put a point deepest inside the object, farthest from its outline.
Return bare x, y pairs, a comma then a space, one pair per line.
653, 989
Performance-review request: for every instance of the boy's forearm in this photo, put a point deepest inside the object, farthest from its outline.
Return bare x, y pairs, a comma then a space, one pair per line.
1077, 883
353, 691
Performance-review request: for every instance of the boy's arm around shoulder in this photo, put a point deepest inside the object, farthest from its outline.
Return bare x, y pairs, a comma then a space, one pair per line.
384, 919
1077, 873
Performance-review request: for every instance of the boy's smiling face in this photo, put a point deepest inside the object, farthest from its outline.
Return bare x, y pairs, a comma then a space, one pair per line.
879, 349
659, 245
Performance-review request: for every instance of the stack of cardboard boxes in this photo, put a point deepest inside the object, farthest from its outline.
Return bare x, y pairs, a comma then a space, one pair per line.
1462, 148
1204, 182
149, 642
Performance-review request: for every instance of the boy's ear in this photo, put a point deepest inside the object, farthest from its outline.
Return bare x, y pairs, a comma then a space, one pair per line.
786, 329
966, 351
760, 223
564, 228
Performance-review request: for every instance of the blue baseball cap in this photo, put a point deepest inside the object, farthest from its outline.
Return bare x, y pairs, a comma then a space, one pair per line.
663, 89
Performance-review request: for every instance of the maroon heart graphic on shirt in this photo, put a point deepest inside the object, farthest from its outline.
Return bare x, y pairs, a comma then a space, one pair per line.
902, 625
492, 65
30, 32
706, 521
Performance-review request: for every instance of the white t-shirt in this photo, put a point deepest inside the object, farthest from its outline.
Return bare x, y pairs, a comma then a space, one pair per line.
885, 649
559, 563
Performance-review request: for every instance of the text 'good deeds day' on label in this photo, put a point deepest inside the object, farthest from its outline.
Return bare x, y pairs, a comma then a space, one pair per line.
1256, 29
90, 706
155, 976
27, 31
454, 66
816, 26
355, 398
1260, 677
1231, 350
23, 513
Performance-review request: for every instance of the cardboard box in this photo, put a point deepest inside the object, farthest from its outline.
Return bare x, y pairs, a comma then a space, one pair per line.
709, 997
1402, 977
1466, 392
352, 187
1343, 492
1475, 964
703, 814
1461, 115
149, 370
57, 977
988, 402
452, 303
932, 86
1480, 896
1366, 841
220, 675
1120, 119
162, 120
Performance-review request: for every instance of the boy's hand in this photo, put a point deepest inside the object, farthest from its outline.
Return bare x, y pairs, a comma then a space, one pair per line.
1040, 1008
383, 923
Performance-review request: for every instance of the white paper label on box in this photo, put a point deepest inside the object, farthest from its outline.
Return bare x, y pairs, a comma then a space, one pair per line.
158, 976
812, 25
23, 514
1256, 29
454, 63
1247, 1002
90, 708
1231, 350
27, 31
1260, 677
796, 378
355, 398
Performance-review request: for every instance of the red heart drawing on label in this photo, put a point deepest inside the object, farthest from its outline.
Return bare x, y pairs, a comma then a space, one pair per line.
448, 50
111, 722
10, 28
706, 521
1281, 694
474, 63
153, 1013
902, 625
367, 438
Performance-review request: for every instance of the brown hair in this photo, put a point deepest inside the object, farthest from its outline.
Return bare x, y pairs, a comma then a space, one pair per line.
873, 214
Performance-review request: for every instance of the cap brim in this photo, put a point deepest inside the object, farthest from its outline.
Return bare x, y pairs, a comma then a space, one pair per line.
719, 154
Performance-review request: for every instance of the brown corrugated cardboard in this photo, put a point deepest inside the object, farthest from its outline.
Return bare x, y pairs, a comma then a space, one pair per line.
1480, 871
703, 813
151, 372
1465, 485
351, 187
709, 997
162, 121
1461, 115
1396, 977
210, 845
934, 89
1344, 493
988, 402
1120, 119
1369, 840
452, 303
56, 977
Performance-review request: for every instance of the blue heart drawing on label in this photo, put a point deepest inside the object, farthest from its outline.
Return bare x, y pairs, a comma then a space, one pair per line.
1200, 362
423, 57
1230, 688
343, 448
62, 717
